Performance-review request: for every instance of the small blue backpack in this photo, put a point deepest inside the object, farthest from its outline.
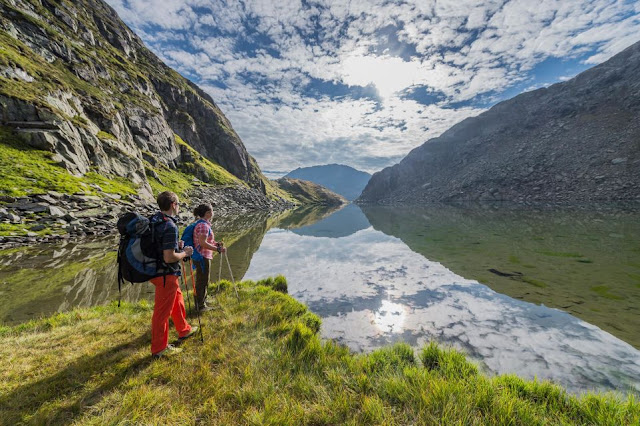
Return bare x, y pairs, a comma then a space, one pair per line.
187, 237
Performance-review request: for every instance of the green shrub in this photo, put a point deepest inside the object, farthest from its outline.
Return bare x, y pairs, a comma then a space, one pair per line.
299, 338
312, 321
448, 362
278, 283
396, 356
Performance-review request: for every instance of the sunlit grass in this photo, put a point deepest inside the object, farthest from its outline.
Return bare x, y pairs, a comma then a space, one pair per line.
261, 362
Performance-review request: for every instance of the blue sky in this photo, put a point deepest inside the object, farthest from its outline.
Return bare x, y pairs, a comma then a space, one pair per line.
362, 82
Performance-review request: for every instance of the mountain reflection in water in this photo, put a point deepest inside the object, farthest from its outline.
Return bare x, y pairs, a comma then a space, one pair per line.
584, 260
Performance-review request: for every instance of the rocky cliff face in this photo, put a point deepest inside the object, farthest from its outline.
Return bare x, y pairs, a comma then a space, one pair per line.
574, 141
74, 80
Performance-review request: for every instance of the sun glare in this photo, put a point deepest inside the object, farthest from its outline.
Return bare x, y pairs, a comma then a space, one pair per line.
388, 74
390, 317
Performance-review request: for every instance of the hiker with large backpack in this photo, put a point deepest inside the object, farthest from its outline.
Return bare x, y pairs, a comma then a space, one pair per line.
200, 235
168, 297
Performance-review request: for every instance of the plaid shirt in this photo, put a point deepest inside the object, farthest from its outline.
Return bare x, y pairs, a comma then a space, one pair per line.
203, 229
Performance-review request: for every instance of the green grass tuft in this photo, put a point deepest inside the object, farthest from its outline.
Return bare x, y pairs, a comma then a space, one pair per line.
448, 362
105, 135
278, 283
393, 357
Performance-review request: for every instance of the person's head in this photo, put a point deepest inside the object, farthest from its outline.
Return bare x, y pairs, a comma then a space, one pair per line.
168, 202
203, 211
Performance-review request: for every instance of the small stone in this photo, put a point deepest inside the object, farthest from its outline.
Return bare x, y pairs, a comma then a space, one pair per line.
31, 234
57, 158
56, 211
25, 205
618, 160
55, 194
47, 198
87, 198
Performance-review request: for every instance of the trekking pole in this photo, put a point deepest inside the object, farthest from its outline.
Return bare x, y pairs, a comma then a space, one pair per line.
193, 282
231, 273
220, 267
186, 286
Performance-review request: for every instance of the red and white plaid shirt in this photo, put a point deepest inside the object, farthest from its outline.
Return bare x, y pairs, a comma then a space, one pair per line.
203, 229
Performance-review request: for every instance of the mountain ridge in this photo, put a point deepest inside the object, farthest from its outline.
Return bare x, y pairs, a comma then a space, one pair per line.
577, 140
306, 192
76, 81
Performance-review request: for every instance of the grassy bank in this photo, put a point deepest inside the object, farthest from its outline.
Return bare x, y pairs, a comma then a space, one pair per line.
261, 362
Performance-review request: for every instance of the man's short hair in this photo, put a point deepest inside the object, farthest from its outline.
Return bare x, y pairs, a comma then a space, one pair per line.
165, 199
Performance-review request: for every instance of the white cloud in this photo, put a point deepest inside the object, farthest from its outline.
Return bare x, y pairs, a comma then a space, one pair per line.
460, 49
168, 15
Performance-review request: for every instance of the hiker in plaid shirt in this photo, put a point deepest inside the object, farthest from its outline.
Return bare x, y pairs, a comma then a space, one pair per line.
205, 244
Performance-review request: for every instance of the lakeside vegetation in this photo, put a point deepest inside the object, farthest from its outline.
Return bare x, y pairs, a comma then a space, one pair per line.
262, 361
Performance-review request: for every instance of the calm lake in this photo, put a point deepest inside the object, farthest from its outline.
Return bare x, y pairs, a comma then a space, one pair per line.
543, 292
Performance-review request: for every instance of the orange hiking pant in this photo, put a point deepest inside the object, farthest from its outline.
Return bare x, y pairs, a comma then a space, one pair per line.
168, 303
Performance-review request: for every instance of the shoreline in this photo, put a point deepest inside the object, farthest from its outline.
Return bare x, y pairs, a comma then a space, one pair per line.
52, 217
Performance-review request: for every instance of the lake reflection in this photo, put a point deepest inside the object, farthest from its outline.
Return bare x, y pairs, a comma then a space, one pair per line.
371, 289
584, 260
41, 280
483, 279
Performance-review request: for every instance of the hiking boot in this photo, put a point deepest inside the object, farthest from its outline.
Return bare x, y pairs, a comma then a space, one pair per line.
168, 351
193, 331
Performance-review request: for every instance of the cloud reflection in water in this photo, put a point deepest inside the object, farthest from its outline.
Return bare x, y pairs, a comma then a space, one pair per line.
370, 290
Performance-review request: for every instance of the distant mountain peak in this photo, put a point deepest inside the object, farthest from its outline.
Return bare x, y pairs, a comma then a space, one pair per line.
341, 179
